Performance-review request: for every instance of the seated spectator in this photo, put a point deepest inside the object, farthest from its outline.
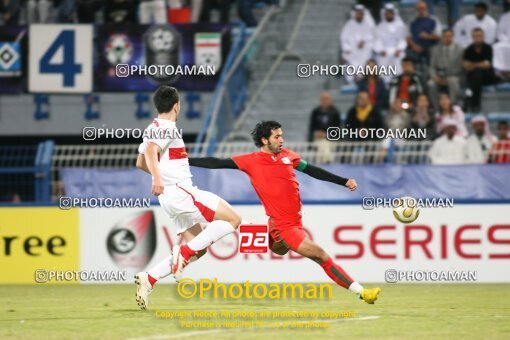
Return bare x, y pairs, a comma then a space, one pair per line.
477, 62
373, 8
425, 31
375, 87
9, 12
447, 110
501, 49
245, 10
445, 68
450, 148
152, 12
120, 11
422, 117
86, 10
480, 141
500, 151
356, 39
323, 116
398, 117
407, 86
479, 19
390, 39
363, 115
38, 11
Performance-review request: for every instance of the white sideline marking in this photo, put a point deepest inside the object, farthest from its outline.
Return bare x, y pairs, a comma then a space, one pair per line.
225, 330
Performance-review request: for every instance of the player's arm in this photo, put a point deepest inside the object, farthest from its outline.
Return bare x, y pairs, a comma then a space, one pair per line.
324, 175
213, 163
141, 164
151, 158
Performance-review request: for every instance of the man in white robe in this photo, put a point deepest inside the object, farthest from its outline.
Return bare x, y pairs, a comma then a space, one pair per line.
501, 58
357, 37
464, 27
448, 149
390, 39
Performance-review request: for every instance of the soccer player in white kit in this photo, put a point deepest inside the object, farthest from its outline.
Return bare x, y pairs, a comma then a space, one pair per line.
163, 155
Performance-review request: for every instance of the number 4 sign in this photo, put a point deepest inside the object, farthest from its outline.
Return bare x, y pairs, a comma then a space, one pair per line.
253, 238
60, 58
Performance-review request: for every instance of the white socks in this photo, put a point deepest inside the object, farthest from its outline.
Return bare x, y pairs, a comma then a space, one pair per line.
356, 288
162, 269
212, 233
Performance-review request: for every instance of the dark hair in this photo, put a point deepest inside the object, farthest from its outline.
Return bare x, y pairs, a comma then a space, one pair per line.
477, 29
263, 130
448, 29
502, 123
165, 98
408, 60
482, 5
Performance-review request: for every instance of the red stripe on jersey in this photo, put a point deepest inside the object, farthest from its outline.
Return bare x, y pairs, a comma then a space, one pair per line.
205, 211
177, 153
155, 122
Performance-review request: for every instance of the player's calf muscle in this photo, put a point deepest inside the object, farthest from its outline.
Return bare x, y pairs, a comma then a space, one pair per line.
225, 212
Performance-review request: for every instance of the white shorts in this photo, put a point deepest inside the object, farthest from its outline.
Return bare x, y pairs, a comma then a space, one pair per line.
186, 205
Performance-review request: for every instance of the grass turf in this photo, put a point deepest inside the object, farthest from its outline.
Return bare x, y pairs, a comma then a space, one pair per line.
109, 311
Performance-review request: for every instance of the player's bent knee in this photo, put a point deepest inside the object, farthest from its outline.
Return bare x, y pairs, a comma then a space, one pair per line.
279, 249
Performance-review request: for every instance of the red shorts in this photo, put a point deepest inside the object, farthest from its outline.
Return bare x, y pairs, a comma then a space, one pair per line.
288, 231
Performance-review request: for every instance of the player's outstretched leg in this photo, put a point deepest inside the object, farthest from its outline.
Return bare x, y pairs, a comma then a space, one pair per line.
226, 221
145, 281
313, 251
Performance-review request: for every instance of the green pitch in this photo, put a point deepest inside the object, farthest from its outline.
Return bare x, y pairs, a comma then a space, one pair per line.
468, 311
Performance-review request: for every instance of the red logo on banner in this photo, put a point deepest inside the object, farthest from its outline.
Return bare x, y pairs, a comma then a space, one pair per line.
253, 238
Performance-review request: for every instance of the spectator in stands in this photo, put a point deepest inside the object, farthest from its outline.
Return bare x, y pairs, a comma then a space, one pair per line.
390, 39
450, 111
9, 11
452, 8
449, 148
501, 49
375, 87
398, 117
500, 151
152, 12
479, 19
363, 115
480, 142
407, 86
120, 11
38, 11
445, 68
477, 62
422, 117
425, 31
245, 10
356, 39
322, 117
86, 10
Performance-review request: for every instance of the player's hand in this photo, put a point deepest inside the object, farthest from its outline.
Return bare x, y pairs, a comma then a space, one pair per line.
351, 184
157, 186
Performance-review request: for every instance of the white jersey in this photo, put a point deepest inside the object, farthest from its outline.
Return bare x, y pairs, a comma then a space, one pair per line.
173, 159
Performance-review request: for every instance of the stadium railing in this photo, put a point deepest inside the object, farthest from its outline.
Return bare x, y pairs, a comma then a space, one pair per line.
124, 155
25, 172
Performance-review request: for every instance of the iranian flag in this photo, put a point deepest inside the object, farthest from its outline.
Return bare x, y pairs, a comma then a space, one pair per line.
208, 49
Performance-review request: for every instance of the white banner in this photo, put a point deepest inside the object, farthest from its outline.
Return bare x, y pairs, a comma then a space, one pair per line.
366, 243
60, 58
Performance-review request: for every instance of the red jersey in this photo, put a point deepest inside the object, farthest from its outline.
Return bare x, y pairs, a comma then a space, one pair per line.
500, 152
274, 180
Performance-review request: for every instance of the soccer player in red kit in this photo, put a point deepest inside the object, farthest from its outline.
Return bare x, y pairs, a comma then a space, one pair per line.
271, 172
